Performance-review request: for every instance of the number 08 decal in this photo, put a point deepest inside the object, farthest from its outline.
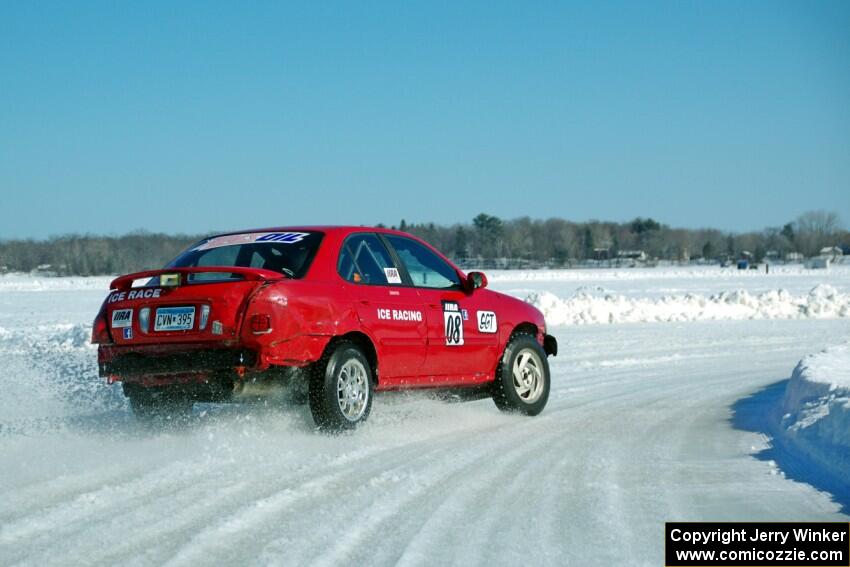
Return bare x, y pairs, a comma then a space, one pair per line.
453, 323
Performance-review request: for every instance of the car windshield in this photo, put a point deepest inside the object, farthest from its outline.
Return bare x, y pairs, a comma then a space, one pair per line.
288, 253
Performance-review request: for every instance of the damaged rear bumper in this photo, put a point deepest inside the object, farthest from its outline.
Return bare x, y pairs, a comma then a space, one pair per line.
135, 364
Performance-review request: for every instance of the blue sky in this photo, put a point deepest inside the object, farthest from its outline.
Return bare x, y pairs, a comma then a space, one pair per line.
189, 117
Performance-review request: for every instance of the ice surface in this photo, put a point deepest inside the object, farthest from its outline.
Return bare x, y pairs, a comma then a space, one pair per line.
637, 432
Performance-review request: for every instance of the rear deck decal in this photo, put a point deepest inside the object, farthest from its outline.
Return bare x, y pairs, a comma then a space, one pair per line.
248, 238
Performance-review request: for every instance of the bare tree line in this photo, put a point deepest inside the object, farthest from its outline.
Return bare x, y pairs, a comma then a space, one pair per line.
88, 255
557, 242
485, 241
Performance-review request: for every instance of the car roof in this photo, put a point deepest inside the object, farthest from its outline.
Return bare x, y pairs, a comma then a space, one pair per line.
338, 229
338, 232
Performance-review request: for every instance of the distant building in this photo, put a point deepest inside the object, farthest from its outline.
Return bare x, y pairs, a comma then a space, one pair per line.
638, 255
601, 254
793, 257
831, 252
818, 263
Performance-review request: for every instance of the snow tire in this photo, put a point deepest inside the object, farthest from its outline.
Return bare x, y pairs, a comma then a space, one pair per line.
340, 394
522, 377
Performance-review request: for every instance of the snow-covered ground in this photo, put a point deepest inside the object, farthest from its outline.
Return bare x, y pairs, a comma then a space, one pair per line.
671, 281
638, 431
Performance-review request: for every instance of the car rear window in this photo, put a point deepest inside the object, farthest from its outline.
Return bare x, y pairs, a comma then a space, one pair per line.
288, 253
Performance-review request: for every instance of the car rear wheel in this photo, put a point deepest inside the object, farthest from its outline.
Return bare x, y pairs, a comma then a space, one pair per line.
341, 388
157, 406
522, 379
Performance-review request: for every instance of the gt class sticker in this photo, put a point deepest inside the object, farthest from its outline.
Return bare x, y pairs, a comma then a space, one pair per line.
487, 322
453, 323
122, 318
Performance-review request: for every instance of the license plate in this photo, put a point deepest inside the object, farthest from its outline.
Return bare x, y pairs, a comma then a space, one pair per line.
174, 319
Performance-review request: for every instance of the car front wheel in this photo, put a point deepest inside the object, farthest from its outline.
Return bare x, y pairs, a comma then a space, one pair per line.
522, 379
341, 388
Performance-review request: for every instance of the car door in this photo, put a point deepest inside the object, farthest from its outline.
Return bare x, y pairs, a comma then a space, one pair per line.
458, 346
389, 310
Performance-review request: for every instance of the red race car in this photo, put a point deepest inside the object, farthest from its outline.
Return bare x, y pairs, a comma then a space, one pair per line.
342, 311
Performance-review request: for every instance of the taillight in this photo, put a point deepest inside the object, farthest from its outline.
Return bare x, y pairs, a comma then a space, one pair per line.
100, 328
261, 324
205, 315
145, 319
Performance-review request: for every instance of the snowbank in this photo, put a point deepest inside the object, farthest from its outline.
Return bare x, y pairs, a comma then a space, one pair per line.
28, 282
666, 272
597, 306
816, 420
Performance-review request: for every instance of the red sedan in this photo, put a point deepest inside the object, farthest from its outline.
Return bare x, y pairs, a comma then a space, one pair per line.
341, 311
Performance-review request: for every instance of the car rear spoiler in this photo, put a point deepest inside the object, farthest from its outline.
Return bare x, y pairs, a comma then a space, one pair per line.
124, 283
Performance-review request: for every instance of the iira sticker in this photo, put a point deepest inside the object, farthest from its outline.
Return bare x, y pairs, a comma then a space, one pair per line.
122, 318
392, 275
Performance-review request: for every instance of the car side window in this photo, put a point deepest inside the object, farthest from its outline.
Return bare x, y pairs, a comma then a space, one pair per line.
426, 269
345, 266
364, 259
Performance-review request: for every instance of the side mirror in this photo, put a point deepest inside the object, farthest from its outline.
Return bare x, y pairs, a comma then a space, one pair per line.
475, 280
